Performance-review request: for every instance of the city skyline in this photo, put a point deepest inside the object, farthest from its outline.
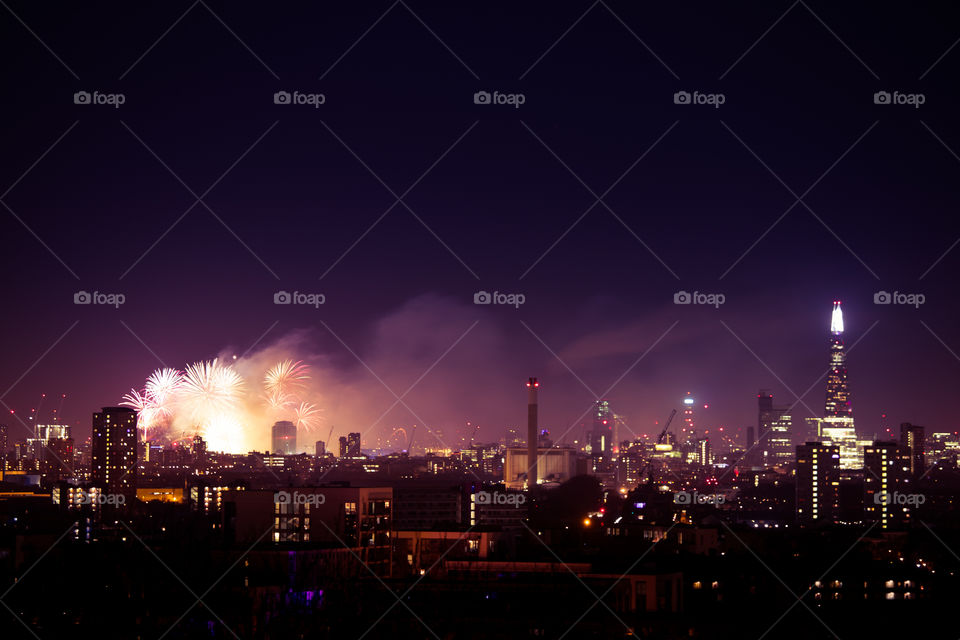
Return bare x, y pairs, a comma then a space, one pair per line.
881, 425
494, 320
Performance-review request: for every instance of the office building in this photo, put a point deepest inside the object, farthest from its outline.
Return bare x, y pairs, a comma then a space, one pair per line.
911, 438
284, 438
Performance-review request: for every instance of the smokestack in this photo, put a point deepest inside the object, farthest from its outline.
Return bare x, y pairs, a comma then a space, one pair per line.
532, 429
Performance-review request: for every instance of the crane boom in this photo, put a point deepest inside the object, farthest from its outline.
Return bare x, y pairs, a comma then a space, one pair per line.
665, 427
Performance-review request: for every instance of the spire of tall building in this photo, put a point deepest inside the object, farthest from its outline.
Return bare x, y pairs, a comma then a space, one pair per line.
838, 394
836, 320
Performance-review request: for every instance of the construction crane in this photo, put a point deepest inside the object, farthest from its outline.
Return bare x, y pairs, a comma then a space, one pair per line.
327, 445
663, 434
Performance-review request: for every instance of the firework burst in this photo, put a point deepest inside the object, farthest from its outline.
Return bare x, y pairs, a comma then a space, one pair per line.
149, 414
287, 377
307, 416
163, 385
210, 388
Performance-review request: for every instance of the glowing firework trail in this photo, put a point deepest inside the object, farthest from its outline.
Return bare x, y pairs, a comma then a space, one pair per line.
163, 385
286, 377
278, 400
209, 388
308, 416
147, 413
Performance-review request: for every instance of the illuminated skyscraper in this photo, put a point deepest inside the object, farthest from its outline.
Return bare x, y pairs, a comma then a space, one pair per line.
837, 426
284, 438
838, 394
353, 445
688, 427
114, 451
911, 438
601, 436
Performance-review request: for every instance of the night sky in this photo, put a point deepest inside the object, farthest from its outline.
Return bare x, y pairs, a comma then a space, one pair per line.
494, 197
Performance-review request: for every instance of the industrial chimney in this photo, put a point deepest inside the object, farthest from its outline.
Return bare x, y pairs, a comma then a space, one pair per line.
532, 429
